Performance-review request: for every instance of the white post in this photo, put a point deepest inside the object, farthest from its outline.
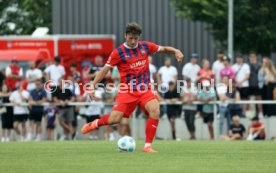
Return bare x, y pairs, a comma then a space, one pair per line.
230, 29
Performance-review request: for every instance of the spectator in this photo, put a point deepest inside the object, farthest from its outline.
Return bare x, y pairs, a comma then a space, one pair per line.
32, 75
267, 81
173, 111
254, 89
98, 65
55, 71
236, 131
189, 95
205, 73
191, 69
152, 69
38, 96
14, 75
51, 120
227, 70
167, 73
63, 95
20, 113
242, 73
218, 66
256, 130
7, 114
2, 77
93, 112
206, 95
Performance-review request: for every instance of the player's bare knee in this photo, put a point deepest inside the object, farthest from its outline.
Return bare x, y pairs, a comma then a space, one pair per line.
154, 112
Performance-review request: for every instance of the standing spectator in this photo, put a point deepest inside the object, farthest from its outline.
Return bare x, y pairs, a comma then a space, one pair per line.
191, 69
32, 75
38, 97
152, 70
227, 70
218, 66
205, 73
20, 113
267, 81
94, 111
256, 130
55, 71
236, 131
167, 73
254, 89
63, 95
206, 95
7, 114
51, 119
189, 95
173, 111
98, 65
14, 74
242, 73
2, 77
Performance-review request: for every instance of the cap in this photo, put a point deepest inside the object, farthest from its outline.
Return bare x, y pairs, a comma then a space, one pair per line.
225, 58
206, 83
194, 55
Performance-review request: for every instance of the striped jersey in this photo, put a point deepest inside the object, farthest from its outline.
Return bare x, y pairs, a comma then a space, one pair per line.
133, 63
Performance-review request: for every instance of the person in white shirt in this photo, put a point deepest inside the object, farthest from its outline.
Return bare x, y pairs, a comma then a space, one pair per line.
218, 66
55, 71
191, 69
92, 112
20, 112
32, 75
152, 70
242, 71
167, 73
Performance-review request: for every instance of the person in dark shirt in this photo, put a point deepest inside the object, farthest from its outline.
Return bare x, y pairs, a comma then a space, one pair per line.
173, 111
38, 97
236, 130
63, 95
51, 120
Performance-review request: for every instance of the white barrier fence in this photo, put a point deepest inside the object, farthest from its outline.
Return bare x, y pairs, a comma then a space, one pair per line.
164, 130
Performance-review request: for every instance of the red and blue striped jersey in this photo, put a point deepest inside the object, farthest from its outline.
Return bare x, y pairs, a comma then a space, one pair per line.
133, 64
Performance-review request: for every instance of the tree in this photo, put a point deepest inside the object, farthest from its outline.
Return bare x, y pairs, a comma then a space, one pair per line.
254, 22
24, 16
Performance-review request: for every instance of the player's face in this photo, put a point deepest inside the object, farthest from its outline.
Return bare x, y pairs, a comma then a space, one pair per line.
131, 40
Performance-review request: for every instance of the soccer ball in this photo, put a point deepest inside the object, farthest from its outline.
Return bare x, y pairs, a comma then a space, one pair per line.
126, 144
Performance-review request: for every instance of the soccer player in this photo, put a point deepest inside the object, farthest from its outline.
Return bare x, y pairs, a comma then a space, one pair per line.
131, 58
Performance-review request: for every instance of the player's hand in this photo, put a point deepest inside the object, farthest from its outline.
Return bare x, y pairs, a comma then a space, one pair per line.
179, 56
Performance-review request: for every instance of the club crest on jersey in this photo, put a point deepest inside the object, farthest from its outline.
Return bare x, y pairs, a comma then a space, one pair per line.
143, 52
138, 64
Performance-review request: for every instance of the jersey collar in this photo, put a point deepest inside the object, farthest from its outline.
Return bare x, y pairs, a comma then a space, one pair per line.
129, 47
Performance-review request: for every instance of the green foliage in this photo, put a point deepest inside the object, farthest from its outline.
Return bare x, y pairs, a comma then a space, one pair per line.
24, 16
254, 22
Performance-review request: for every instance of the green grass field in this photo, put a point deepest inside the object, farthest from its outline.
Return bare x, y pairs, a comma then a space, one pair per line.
102, 157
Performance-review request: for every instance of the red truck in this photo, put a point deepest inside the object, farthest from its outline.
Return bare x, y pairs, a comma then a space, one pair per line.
80, 49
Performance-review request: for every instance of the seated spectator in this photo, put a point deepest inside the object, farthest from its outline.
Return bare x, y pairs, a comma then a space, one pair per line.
206, 95
236, 130
14, 74
256, 130
63, 95
6, 114
188, 96
173, 111
51, 120
20, 113
38, 97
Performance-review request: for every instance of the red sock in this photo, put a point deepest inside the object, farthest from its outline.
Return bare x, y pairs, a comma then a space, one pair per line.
151, 127
104, 120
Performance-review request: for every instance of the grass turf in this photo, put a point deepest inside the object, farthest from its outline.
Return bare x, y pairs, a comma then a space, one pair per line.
102, 157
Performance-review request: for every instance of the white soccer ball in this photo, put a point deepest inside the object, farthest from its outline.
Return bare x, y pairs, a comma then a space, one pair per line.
126, 144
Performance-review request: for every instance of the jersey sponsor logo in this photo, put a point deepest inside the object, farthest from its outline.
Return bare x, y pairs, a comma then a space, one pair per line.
138, 64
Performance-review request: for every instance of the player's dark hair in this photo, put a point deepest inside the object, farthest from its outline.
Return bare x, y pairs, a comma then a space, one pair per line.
133, 28
74, 65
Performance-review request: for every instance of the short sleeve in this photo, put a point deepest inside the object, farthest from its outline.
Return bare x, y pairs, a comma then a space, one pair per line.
185, 70
113, 59
175, 71
11, 98
153, 48
8, 71
62, 70
160, 71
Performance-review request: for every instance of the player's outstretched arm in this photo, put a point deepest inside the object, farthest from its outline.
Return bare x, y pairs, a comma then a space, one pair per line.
98, 78
171, 50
